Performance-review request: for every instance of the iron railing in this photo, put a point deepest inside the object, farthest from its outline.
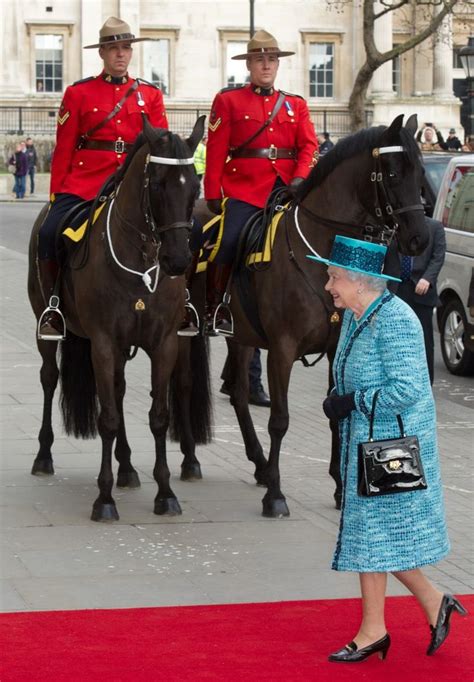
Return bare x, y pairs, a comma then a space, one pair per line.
33, 121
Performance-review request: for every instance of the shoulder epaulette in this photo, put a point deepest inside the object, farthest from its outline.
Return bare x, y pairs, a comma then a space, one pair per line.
144, 82
84, 80
230, 88
291, 94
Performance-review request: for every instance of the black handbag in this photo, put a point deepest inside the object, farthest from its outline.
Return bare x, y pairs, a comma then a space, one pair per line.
389, 466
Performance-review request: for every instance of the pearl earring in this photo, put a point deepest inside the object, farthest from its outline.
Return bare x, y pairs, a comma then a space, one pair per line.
360, 291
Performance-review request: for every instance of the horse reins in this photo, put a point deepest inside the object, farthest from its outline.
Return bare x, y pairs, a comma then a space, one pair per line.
149, 219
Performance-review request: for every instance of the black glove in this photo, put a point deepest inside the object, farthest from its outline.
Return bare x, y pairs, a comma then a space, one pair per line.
214, 205
338, 407
294, 184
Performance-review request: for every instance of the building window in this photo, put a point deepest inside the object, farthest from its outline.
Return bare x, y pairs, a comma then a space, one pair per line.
236, 71
321, 70
396, 74
156, 63
457, 64
48, 62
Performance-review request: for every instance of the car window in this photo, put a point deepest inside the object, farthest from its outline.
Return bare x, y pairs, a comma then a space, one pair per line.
458, 211
435, 172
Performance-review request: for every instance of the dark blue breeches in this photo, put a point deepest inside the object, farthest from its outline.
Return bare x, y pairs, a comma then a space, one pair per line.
47, 234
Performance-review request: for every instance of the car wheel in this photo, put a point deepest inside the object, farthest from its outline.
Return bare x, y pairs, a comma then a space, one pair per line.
457, 358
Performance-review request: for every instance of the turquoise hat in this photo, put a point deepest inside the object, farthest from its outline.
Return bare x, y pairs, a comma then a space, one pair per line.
358, 256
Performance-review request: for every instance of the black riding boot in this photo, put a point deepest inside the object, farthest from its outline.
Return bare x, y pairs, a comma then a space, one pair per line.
219, 322
190, 324
51, 323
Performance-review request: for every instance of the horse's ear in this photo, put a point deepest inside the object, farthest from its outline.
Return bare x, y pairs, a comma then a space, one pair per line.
412, 124
197, 134
391, 134
150, 133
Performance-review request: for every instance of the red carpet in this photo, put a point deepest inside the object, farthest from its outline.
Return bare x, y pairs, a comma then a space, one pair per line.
243, 642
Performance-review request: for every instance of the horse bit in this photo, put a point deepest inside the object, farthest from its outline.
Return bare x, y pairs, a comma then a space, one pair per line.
150, 221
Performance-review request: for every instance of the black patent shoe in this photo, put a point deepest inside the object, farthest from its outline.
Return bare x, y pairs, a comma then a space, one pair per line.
441, 630
259, 397
351, 654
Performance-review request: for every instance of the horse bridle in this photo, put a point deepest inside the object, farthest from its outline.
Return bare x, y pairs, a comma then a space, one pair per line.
149, 218
383, 232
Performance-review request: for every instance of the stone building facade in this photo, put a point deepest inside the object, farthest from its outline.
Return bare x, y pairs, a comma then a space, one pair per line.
42, 53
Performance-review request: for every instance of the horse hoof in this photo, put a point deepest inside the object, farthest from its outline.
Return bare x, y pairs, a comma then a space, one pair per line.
104, 512
42, 467
167, 506
275, 509
128, 479
191, 472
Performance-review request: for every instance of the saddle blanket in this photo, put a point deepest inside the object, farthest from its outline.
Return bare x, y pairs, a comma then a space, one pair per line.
75, 233
212, 235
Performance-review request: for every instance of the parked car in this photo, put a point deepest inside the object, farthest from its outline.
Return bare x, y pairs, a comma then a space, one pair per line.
455, 209
435, 164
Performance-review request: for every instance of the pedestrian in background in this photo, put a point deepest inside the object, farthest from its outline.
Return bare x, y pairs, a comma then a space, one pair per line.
32, 159
18, 159
426, 139
419, 276
200, 158
325, 144
380, 355
452, 143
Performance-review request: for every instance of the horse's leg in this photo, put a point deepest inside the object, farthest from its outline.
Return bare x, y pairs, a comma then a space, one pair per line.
239, 360
183, 378
334, 464
49, 373
127, 476
162, 362
280, 363
105, 361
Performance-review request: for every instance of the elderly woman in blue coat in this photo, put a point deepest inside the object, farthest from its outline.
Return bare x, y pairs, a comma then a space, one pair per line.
381, 349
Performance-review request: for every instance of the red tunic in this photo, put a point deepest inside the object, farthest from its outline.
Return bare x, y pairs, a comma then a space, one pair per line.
237, 114
84, 105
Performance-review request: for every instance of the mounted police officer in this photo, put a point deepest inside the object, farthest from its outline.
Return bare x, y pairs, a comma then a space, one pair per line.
99, 120
259, 139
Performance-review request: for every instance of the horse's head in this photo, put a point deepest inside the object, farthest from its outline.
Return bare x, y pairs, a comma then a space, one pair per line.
171, 188
397, 178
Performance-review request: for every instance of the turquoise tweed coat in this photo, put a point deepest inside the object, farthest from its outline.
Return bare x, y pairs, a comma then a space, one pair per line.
385, 350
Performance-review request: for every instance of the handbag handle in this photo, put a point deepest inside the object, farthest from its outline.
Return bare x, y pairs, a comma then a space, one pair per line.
372, 417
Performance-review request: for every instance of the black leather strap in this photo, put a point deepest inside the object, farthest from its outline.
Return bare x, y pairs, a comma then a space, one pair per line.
118, 146
271, 153
276, 109
114, 112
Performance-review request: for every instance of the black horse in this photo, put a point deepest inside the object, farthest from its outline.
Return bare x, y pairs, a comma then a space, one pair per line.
129, 291
368, 186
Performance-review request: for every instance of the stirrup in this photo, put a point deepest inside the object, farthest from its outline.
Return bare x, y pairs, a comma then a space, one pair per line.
190, 332
53, 307
225, 307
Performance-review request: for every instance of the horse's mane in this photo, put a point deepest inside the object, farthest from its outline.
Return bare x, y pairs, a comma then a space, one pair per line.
179, 150
349, 146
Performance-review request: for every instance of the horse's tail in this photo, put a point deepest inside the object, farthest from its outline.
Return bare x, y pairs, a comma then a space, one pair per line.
78, 401
200, 400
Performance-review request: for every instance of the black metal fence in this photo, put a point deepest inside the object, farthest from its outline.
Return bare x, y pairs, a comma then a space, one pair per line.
42, 120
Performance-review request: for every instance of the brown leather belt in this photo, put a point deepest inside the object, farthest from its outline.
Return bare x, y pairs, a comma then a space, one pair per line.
117, 146
271, 153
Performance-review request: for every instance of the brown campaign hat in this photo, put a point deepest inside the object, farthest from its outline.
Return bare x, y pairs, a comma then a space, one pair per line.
262, 42
115, 31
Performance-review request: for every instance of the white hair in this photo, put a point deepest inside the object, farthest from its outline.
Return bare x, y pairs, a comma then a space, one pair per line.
369, 282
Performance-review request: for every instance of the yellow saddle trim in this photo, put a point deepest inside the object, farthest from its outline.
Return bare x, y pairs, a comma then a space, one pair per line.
77, 235
265, 256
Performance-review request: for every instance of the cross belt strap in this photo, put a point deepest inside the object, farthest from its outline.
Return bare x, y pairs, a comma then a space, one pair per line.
271, 153
117, 146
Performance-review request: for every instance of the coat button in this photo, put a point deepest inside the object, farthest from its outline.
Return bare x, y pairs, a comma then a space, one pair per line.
119, 121
234, 169
271, 130
266, 99
81, 163
246, 116
117, 89
95, 109
274, 162
269, 113
119, 156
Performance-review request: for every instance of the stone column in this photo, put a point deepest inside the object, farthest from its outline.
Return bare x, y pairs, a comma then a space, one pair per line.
382, 78
12, 37
443, 60
91, 21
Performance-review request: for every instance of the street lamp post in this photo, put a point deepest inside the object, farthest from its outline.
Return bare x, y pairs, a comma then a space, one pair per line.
252, 18
466, 55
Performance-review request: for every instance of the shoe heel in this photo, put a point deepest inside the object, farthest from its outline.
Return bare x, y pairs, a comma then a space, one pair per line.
460, 608
383, 653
